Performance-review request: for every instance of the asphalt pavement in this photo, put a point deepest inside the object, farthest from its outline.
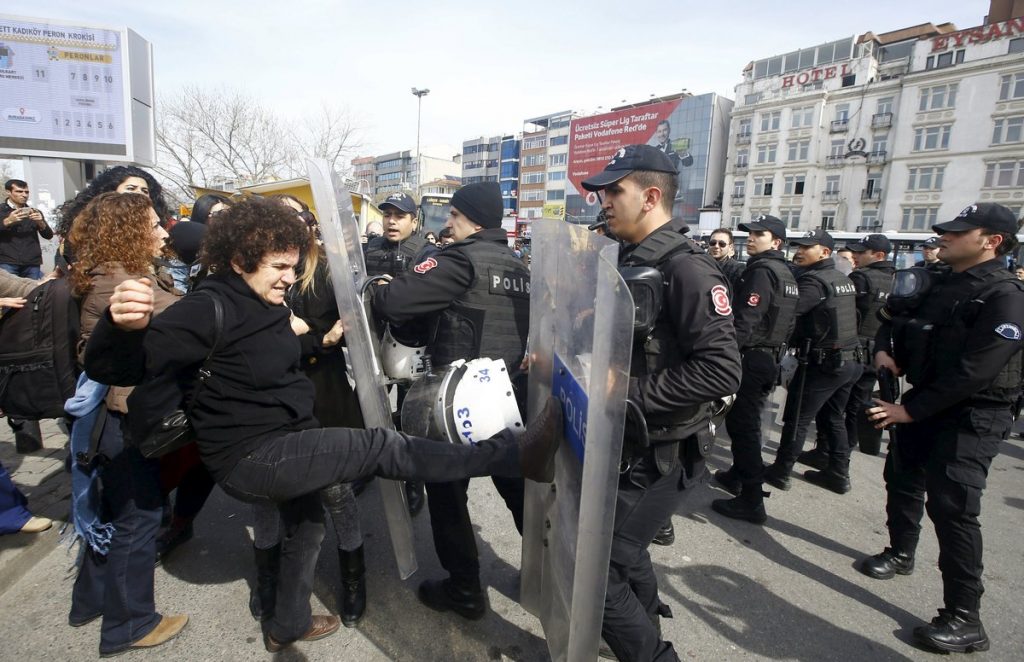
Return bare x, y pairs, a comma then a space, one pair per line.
788, 590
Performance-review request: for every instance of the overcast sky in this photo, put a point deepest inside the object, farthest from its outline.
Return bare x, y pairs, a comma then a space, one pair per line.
488, 65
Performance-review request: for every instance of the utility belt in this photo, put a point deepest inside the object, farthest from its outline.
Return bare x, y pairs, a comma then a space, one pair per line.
689, 441
831, 356
868, 348
776, 352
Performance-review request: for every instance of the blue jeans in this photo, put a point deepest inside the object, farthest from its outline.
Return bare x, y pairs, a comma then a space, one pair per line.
23, 270
119, 586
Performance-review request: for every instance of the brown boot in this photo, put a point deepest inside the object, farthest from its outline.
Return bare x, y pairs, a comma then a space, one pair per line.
168, 628
322, 626
539, 443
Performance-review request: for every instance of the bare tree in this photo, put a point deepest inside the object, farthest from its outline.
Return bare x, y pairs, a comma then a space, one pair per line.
206, 135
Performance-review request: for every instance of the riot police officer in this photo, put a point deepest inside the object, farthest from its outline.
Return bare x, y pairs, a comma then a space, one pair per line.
829, 355
687, 360
764, 315
958, 344
873, 280
392, 253
476, 294
930, 251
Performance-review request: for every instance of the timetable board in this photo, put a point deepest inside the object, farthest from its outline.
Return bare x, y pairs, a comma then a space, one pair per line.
62, 89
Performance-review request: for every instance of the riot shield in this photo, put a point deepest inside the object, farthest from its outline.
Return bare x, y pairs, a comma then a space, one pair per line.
581, 325
340, 233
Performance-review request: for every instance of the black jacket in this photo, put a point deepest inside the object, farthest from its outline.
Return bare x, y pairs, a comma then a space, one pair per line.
19, 242
256, 389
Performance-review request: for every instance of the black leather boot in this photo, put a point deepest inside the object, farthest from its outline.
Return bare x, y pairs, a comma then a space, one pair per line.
352, 602
955, 631
829, 479
665, 536
468, 601
729, 481
263, 596
816, 458
748, 506
888, 564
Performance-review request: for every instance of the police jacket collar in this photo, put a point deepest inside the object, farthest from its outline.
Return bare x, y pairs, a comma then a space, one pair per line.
766, 255
982, 270
487, 234
881, 264
827, 263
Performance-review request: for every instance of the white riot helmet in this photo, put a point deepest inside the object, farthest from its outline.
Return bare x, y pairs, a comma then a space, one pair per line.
401, 363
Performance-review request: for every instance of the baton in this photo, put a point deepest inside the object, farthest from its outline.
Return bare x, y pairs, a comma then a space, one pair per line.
889, 391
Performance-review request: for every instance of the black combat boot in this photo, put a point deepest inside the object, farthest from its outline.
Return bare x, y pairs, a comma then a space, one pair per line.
467, 599
777, 476
729, 481
829, 479
748, 506
263, 597
352, 601
955, 631
888, 564
665, 536
816, 458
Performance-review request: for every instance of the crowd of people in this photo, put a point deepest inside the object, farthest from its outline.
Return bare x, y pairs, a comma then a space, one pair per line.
232, 317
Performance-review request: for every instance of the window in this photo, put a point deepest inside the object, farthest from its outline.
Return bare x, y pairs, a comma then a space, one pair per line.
869, 219
1004, 174
751, 98
533, 160
766, 152
919, 219
803, 117
556, 175
1016, 45
798, 150
763, 185
842, 112
944, 60
1008, 130
770, 121
739, 188
926, 178
828, 220
742, 157
838, 148
1011, 86
532, 195
533, 177
556, 195
832, 184
880, 145
559, 140
558, 159
932, 137
736, 220
535, 143
884, 106
791, 217
793, 185
744, 127
938, 97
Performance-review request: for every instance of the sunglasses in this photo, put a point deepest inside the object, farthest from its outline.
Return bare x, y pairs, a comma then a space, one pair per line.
720, 244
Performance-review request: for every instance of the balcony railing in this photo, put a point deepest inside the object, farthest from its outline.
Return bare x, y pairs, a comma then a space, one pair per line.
737, 197
876, 157
830, 196
871, 227
868, 195
839, 126
834, 161
881, 120
741, 167
743, 138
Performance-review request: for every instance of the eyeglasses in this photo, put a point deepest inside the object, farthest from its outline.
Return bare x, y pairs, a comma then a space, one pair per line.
720, 244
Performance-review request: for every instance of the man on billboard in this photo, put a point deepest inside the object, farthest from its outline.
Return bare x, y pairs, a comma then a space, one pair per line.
663, 141
685, 361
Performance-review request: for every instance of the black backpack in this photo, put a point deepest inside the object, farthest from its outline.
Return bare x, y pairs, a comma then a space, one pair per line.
38, 368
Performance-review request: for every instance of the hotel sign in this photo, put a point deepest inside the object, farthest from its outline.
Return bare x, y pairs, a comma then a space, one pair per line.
814, 75
979, 35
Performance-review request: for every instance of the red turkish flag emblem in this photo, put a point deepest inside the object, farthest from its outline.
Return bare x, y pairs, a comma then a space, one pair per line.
754, 299
720, 298
425, 266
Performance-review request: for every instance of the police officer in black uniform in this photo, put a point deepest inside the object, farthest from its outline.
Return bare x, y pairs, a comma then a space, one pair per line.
829, 354
873, 280
764, 314
390, 254
687, 360
476, 293
958, 342
930, 251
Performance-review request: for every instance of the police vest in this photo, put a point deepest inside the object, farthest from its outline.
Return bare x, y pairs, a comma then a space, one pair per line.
879, 280
832, 324
660, 349
385, 257
776, 327
492, 318
952, 333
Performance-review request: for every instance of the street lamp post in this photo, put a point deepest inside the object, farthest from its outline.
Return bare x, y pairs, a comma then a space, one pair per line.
419, 94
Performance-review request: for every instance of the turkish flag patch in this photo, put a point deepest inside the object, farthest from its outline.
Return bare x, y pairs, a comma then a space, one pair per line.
720, 298
754, 299
425, 266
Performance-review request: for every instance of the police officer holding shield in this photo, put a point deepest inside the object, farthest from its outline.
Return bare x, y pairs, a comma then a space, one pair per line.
476, 295
956, 336
829, 355
765, 303
684, 361
873, 280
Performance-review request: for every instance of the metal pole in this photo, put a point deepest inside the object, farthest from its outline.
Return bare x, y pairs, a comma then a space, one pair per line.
419, 115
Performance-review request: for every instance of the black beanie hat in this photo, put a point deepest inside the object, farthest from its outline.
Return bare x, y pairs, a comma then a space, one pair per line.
480, 203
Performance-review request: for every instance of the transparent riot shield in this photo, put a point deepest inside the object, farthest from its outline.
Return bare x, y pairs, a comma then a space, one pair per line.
581, 324
348, 272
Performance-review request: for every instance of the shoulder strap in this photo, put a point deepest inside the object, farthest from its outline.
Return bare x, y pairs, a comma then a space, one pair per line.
218, 325
657, 248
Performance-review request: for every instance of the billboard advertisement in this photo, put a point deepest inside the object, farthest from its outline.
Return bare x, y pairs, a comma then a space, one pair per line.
681, 128
63, 90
